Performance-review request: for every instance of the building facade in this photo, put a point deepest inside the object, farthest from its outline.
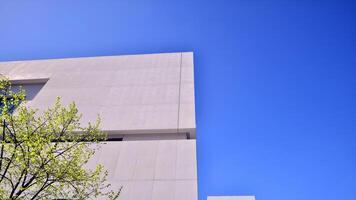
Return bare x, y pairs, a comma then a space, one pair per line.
146, 104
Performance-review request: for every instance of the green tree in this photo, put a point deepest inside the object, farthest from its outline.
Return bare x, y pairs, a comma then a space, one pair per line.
43, 154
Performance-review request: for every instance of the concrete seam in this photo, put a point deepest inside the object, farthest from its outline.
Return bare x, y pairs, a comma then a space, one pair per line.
179, 92
175, 170
153, 182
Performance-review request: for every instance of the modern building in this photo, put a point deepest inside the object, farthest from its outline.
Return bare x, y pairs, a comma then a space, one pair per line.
146, 103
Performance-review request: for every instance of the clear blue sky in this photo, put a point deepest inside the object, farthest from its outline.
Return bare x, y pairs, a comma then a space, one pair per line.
275, 80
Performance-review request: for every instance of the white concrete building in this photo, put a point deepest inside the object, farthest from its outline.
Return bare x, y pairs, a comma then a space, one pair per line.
146, 103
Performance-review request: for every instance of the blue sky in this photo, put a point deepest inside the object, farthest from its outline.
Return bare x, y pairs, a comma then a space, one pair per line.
275, 80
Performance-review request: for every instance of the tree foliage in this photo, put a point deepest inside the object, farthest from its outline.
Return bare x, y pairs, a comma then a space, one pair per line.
43, 153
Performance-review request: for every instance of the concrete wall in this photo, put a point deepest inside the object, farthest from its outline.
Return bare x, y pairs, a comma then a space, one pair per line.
151, 170
147, 100
135, 94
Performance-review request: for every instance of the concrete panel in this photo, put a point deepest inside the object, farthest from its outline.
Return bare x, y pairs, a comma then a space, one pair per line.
166, 160
94, 96
143, 95
146, 161
93, 78
109, 155
126, 163
147, 60
187, 93
146, 76
187, 71
187, 97
154, 168
28, 69
187, 109
186, 117
186, 166
186, 190
89, 113
141, 190
140, 117
163, 190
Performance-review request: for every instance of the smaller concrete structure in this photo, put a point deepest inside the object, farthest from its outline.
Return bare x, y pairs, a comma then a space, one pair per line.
231, 198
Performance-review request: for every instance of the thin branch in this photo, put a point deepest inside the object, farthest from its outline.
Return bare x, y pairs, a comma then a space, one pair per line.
17, 184
2, 145
8, 164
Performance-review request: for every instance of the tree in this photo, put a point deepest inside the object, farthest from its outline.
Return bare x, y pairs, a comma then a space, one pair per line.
43, 154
